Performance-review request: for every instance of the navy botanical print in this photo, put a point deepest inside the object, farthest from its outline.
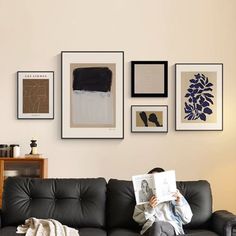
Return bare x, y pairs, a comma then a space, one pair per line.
199, 98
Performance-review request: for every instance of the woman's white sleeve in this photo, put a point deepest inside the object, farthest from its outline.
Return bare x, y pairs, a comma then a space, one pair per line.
142, 213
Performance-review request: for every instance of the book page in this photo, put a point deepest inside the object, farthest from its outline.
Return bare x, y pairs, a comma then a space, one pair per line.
165, 185
143, 188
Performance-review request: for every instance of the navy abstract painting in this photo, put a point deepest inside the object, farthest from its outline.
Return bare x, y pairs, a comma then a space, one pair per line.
92, 79
199, 98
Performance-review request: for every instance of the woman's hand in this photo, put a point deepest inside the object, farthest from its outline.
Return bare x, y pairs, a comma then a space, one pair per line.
177, 196
153, 201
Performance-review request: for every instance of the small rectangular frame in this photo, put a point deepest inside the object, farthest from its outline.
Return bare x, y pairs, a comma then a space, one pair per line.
35, 95
149, 119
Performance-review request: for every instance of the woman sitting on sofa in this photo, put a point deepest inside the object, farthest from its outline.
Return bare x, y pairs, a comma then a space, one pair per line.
166, 218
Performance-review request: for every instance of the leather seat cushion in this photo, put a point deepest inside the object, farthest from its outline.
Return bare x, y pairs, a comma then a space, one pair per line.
126, 232
92, 232
200, 232
122, 232
11, 231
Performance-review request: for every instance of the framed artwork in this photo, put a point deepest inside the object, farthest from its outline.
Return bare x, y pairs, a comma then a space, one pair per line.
35, 95
149, 78
149, 118
92, 94
199, 96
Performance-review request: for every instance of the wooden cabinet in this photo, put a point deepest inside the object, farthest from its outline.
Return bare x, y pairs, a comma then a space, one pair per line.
25, 167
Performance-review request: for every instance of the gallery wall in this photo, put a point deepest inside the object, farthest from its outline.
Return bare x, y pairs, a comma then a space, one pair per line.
33, 33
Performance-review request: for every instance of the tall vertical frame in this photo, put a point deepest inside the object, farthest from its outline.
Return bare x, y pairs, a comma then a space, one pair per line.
92, 94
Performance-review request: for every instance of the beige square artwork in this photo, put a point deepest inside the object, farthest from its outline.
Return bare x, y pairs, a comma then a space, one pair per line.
149, 78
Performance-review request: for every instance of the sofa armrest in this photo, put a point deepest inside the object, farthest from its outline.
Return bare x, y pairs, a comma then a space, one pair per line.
222, 222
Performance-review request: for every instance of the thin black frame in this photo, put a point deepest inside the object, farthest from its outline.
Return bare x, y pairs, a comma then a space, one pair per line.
167, 121
135, 94
53, 99
122, 102
222, 115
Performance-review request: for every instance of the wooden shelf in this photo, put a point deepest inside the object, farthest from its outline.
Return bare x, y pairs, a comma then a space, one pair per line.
25, 167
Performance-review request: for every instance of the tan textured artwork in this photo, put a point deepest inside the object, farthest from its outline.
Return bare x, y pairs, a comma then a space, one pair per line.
35, 95
149, 78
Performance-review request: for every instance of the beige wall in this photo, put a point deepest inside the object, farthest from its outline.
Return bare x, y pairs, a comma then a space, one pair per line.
32, 34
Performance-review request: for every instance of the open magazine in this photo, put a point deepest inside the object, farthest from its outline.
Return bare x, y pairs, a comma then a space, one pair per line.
162, 184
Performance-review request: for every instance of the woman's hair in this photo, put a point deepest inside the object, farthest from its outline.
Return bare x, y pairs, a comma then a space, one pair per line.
156, 169
144, 181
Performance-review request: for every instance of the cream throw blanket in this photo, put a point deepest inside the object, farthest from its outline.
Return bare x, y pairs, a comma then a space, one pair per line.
45, 227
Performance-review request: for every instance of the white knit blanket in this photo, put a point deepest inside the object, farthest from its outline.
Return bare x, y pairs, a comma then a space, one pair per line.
45, 227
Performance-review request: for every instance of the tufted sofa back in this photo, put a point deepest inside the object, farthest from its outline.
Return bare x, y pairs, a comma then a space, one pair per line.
74, 202
121, 202
82, 203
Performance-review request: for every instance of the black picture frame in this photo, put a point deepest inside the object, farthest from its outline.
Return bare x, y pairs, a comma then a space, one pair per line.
73, 60
212, 74
35, 95
155, 87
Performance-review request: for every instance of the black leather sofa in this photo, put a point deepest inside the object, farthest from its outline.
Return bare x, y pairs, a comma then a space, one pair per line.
98, 208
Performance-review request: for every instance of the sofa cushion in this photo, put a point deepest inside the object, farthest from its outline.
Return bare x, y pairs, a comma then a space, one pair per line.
120, 204
127, 232
9, 231
122, 232
73, 202
92, 232
198, 195
200, 232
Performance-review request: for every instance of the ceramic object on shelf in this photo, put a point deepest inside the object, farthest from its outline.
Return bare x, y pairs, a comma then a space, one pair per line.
11, 173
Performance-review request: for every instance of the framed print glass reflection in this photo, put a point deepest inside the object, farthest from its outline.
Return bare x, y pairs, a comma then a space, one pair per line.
149, 78
92, 94
149, 118
35, 95
199, 96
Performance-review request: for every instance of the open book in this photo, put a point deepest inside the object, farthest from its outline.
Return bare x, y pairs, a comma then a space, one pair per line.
162, 184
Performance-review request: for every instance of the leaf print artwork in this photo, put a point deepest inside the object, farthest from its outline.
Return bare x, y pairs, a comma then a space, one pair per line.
199, 98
